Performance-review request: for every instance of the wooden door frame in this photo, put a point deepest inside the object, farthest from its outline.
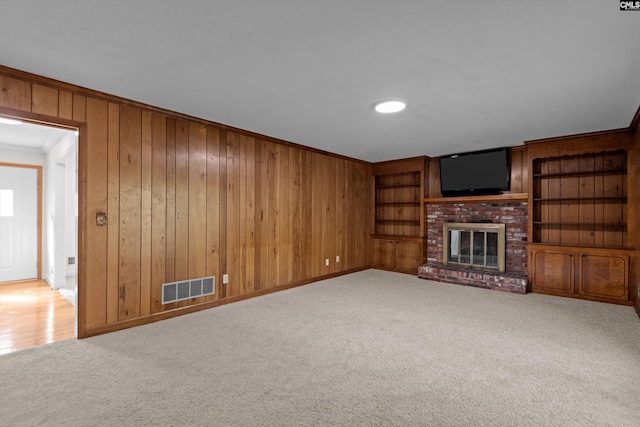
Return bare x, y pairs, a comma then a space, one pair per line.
39, 171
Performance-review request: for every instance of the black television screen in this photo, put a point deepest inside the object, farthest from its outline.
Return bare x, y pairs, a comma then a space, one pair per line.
477, 173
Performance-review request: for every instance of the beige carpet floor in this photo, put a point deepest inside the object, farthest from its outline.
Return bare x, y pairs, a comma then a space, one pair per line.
369, 349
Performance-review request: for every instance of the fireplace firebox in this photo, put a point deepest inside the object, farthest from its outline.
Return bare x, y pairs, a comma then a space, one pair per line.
474, 245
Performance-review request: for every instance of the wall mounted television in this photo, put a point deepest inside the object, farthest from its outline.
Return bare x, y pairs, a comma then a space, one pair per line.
478, 173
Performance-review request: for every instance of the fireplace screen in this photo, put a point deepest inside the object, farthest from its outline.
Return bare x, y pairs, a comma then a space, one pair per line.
474, 245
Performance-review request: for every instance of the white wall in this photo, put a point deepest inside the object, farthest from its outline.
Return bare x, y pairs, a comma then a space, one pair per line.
54, 268
71, 173
10, 155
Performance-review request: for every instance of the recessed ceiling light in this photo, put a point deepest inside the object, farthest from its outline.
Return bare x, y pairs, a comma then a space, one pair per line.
6, 121
390, 106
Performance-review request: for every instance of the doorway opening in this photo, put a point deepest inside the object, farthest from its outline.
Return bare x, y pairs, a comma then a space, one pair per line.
38, 305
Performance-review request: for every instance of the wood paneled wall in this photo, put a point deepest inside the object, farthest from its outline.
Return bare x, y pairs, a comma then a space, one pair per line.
519, 173
186, 198
635, 171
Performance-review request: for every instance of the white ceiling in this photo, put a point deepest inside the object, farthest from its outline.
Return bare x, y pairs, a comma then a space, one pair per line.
29, 137
474, 74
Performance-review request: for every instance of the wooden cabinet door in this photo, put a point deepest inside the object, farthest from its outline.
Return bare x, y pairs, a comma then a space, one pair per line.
384, 253
552, 271
408, 256
604, 276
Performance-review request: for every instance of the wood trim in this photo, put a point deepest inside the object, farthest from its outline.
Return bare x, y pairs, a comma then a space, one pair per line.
40, 119
583, 297
203, 306
479, 199
79, 90
39, 172
634, 193
583, 249
631, 199
407, 159
635, 122
397, 237
395, 270
576, 136
83, 222
517, 148
411, 164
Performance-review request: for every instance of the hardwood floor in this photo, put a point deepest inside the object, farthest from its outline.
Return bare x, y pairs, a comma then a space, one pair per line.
33, 314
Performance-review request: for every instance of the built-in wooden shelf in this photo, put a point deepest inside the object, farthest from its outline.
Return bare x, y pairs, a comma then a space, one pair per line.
582, 224
479, 199
397, 186
579, 246
398, 221
395, 237
580, 173
580, 199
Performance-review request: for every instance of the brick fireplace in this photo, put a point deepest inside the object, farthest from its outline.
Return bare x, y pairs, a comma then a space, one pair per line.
512, 213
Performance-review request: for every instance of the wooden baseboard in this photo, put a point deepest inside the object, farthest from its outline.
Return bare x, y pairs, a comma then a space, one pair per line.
395, 270
583, 297
89, 332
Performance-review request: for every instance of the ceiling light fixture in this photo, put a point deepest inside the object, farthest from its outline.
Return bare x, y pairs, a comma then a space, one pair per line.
6, 121
390, 106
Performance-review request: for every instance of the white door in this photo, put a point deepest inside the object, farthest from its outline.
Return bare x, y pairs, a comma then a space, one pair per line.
18, 223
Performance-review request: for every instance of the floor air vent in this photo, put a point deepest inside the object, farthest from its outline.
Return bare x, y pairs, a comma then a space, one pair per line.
185, 289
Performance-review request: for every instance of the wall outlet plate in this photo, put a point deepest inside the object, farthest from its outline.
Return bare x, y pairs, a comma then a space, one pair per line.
337, 258
326, 262
225, 278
